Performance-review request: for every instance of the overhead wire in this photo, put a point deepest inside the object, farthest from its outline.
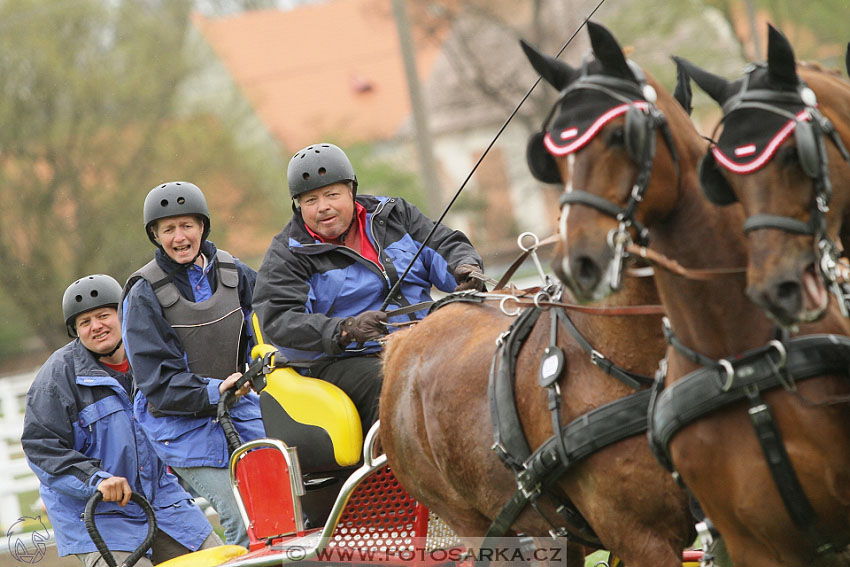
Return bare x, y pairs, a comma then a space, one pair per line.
394, 289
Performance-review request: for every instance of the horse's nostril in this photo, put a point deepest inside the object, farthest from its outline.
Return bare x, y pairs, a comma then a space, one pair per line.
586, 273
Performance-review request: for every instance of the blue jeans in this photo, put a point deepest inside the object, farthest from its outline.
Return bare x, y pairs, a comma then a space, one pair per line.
214, 485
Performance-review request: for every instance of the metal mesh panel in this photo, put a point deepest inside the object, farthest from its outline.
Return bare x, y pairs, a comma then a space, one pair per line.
381, 515
440, 535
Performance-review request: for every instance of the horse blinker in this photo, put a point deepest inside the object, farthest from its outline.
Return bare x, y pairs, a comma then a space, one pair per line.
639, 127
714, 184
807, 148
540, 161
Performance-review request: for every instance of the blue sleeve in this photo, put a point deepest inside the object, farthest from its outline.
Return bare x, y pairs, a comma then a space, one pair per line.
49, 438
450, 248
157, 357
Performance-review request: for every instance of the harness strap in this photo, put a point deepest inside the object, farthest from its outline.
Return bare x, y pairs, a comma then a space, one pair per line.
684, 349
585, 435
631, 379
782, 471
712, 388
509, 439
702, 391
787, 224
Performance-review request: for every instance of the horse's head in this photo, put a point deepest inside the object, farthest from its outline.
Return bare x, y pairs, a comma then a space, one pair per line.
607, 143
779, 154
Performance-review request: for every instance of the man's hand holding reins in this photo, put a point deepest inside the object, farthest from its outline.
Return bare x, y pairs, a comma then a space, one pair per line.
368, 326
465, 279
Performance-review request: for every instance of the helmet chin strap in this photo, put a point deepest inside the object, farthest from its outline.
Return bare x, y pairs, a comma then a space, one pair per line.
110, 353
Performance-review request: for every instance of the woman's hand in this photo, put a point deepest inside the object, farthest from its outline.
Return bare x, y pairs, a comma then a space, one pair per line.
230, 381
115, 489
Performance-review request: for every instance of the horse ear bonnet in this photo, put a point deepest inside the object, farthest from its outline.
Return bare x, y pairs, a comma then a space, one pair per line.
540, 161
714, 184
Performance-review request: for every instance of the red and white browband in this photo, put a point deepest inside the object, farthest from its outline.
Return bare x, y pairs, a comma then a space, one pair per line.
750, 149
571, 132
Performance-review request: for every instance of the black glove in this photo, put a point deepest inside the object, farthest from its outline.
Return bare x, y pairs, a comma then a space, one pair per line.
367, 326
464, 281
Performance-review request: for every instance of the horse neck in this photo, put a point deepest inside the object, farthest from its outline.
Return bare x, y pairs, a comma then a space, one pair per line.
714, 317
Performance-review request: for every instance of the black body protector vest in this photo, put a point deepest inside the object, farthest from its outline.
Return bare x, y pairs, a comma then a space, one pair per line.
210, 331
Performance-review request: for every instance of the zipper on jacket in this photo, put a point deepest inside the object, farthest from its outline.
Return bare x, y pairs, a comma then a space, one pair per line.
378, 209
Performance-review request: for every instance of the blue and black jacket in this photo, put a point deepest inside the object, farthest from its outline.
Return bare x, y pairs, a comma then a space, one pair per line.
306, 288
78, 430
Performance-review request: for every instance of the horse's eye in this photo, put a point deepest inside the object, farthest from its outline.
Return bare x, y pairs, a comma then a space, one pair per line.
616, 137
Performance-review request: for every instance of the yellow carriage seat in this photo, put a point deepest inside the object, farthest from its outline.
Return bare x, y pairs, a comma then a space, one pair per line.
314, 416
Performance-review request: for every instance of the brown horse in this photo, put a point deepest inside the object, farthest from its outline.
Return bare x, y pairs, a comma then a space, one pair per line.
780, 157
629, 168
437, 433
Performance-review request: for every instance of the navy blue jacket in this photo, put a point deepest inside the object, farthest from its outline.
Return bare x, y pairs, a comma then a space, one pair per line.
188, 435
78, 430
306, 288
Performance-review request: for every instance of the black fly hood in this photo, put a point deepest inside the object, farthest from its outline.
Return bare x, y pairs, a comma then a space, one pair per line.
758, 120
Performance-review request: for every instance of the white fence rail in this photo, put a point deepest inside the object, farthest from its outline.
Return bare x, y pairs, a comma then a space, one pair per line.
15, 474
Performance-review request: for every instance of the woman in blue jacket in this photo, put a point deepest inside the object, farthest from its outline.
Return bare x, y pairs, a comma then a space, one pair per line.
184, 316
326, 275
80, 437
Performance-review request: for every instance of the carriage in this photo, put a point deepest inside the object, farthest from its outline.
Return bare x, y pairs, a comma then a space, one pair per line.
314, 489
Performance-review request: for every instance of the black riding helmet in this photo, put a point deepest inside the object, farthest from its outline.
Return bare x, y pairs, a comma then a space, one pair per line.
316, 166
85, 294
174, 199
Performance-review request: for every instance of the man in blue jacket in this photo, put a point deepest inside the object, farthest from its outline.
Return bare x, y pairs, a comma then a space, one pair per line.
184, 316
80, 437
325, 276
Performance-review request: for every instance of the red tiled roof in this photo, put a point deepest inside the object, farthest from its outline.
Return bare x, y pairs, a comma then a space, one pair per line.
331, 70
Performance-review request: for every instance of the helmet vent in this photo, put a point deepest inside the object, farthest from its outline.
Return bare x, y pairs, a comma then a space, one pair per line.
78, 298
163, 203
322, 171
94, 293
181, 200
305, 175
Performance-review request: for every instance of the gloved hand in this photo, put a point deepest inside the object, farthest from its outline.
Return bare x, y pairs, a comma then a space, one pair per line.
464, 281
367, 326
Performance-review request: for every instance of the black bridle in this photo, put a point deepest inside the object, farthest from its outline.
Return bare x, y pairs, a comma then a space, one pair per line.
641, 98
813, 160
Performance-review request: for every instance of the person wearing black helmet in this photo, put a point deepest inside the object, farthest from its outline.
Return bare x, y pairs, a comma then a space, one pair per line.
185, 329
325, 277
80, 437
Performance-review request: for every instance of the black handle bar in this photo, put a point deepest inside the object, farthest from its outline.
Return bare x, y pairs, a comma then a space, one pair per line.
131, 560
256, 374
